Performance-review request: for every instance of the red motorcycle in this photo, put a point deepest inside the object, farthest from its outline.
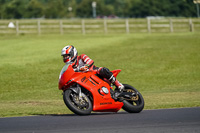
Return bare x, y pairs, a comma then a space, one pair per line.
85, 91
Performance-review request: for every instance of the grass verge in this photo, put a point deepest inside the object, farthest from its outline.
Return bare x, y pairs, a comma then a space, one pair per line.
164, 67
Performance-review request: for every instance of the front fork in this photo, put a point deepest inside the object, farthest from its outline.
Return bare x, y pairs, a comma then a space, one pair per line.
77, 90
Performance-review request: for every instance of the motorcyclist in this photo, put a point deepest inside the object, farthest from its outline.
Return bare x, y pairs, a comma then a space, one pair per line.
83, 62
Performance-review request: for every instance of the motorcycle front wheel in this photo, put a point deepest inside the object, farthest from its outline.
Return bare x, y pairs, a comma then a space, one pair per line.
80, 106
136, 104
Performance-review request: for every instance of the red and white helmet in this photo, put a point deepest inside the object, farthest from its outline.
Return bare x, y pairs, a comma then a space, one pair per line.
69, 54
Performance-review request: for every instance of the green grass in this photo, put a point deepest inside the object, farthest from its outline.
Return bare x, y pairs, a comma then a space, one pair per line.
165, 68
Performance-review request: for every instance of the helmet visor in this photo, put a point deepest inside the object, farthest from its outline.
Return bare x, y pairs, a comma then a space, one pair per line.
66, 57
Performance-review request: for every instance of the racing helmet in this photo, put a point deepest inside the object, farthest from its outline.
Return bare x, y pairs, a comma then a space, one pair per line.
69, 54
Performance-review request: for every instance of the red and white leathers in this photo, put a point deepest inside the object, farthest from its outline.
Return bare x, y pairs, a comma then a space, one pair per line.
83, 62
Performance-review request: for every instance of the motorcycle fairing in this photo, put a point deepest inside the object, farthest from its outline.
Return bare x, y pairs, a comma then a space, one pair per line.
102, 102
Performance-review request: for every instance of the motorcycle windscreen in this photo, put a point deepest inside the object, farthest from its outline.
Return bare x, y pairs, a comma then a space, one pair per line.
65, 75
64, 69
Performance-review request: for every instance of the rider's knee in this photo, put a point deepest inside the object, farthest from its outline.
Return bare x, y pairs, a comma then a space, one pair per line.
105, 72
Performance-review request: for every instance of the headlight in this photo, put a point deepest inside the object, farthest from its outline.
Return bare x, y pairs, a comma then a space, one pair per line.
105, 90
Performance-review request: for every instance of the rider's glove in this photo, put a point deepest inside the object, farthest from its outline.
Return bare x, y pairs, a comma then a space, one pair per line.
84, 68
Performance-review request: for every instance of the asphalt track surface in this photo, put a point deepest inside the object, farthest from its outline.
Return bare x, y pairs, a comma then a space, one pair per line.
183, 120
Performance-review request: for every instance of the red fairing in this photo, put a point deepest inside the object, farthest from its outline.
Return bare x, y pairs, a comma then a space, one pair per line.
116, 72
102, 101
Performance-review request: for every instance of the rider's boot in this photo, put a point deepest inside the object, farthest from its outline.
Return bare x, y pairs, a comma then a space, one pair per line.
120, 87
114, 81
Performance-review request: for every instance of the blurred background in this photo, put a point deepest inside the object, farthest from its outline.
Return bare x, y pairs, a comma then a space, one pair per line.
18, 9
98, 16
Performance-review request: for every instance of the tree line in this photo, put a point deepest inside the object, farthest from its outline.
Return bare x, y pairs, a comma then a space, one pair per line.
10, 9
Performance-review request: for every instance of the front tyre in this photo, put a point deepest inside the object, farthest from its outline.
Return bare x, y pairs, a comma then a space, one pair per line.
80, 106
136, 104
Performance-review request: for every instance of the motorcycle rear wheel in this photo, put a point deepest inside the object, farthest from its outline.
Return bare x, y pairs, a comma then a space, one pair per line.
133, 106
79, 107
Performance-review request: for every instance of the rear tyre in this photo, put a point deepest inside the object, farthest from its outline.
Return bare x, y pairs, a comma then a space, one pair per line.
136, 105
78, 106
